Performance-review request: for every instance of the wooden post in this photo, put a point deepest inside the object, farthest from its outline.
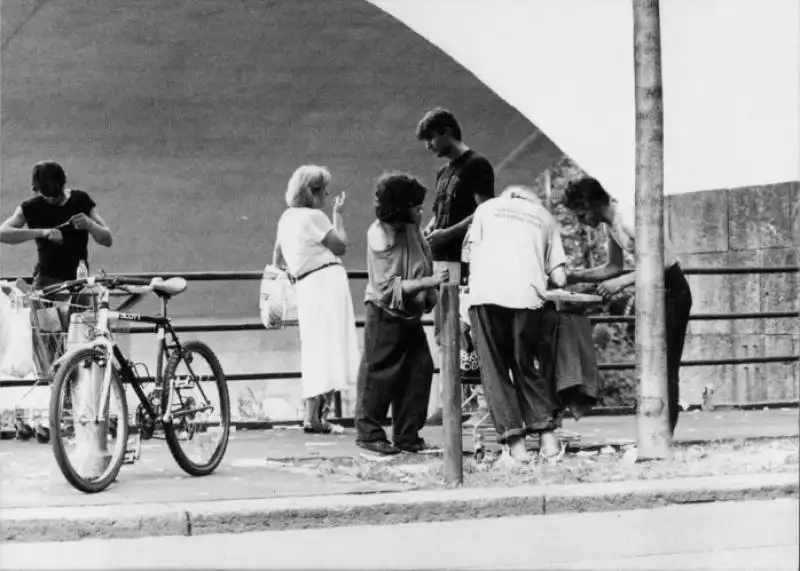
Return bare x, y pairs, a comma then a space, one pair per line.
653, 432
450, 377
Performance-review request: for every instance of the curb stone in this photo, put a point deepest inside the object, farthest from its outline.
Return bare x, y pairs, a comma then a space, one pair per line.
236, 516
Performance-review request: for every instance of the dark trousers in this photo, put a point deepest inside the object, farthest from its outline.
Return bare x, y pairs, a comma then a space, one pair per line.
678, 302
520, 399
396, 369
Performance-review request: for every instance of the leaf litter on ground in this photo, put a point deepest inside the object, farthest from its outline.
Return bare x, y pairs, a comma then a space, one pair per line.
709, 459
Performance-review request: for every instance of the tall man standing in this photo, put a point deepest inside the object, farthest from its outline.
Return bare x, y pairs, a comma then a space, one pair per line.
461, 183
466, 180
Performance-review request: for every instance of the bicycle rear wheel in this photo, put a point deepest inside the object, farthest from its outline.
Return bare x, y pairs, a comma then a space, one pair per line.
88, 453
198, 402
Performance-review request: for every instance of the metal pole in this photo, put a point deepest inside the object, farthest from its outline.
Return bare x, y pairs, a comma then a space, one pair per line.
450, 377
653, 432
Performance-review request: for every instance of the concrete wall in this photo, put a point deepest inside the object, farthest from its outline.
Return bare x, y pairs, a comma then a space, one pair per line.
740, 227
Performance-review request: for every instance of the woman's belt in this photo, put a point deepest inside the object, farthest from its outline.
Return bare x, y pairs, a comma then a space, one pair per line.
303, 276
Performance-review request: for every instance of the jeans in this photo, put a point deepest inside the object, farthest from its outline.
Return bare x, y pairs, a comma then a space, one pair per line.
396, 369
520, 399
678, 302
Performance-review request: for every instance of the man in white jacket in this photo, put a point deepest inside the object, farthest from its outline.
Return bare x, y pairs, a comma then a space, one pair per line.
515, 254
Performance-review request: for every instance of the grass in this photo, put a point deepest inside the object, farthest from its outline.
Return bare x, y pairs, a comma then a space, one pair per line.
710, 459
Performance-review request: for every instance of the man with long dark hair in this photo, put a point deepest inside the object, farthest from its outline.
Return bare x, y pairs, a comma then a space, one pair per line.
593, 206
396, 366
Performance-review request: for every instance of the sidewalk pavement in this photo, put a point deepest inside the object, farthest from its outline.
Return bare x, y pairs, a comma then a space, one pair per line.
257, 487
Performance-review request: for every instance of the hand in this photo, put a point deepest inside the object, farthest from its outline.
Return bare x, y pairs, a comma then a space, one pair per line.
81, 222
609, 288
53, 235
338, 201
442, 275
437, 238
428, 227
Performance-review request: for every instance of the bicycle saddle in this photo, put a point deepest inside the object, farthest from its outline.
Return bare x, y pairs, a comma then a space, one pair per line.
170, 287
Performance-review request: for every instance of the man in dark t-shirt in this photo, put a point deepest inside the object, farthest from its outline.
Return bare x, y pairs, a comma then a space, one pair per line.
466, 180
463, 182
60, 220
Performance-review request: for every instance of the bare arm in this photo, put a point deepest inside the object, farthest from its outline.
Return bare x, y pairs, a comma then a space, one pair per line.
277, 256
336, 239
99, 229
13, 230
412, 287
610, 269
457, 231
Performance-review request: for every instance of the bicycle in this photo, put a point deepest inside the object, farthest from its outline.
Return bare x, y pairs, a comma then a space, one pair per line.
88, 401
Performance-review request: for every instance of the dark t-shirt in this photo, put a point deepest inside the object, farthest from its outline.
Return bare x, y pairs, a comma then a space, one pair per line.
59, 261
457, 183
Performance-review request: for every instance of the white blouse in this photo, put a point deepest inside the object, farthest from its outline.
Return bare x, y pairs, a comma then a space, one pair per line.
300, 234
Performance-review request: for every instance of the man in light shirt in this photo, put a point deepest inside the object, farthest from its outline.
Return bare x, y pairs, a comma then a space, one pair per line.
515, 254
593, 206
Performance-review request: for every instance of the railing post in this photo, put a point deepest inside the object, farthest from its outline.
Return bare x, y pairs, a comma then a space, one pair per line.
450, 377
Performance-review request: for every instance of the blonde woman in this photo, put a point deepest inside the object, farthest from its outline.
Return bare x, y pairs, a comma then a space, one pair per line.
308, 246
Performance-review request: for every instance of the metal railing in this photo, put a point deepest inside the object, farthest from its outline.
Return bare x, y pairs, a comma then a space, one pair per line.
256, 325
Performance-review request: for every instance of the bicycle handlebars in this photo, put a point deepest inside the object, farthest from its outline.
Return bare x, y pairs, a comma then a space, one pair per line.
137, 286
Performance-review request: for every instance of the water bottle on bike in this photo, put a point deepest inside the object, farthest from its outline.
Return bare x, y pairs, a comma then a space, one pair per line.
83, 271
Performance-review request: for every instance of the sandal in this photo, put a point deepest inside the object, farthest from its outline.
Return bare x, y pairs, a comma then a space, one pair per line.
554, 458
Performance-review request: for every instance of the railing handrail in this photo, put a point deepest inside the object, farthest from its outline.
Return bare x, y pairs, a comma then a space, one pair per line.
255, 325
248, 275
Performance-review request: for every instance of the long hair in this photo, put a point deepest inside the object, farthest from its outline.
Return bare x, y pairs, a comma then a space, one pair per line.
304, 183
395, 193
584, 192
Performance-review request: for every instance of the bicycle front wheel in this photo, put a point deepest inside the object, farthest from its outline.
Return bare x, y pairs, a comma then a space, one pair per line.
197, 408
88, 436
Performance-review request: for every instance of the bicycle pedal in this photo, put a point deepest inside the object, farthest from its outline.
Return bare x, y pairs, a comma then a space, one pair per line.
132, 454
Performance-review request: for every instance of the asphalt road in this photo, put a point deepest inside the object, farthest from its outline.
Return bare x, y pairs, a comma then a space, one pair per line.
725, 536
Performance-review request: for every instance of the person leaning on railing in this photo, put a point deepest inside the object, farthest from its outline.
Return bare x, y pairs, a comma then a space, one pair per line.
396, 366
308, 246
592, 206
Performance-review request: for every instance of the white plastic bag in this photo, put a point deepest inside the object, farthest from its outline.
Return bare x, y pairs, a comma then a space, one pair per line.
277, 299
16, 336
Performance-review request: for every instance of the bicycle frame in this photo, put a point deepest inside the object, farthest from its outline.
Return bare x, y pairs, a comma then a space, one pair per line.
105, 341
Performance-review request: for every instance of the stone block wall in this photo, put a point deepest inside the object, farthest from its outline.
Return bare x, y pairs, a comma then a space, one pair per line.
740, 227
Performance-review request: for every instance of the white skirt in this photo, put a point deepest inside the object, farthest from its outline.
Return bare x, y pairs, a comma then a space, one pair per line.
329, 353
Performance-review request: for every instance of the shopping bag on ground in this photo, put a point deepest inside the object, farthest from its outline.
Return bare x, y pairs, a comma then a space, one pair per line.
277, 299
16, 336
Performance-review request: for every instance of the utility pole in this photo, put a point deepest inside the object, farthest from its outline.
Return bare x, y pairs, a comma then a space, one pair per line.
653, 432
